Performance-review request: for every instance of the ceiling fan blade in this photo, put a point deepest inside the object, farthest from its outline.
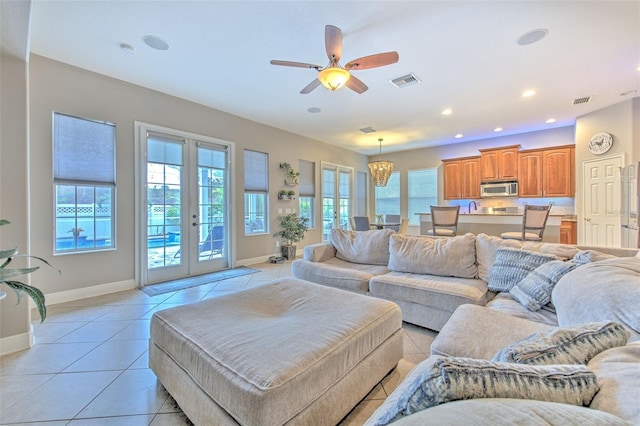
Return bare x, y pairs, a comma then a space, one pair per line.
333, 42
373, 61
309, 87
294, 64
356, 85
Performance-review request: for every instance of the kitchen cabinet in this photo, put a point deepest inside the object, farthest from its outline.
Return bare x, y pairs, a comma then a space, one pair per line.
568, 232
461, 178
547, 172
499, 163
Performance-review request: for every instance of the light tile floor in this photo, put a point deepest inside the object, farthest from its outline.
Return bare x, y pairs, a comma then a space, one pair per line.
90, 365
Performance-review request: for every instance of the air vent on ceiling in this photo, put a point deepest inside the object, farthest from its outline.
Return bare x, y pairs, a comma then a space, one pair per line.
583, 100
368, 130
405, 80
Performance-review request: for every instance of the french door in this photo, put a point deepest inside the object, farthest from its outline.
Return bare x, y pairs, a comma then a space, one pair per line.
337, 183
184, 204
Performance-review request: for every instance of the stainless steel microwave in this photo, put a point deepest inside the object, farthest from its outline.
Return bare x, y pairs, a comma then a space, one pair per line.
499, 189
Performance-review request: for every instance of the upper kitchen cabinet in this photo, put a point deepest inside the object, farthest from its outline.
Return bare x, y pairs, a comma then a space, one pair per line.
499, 163
547, 172
461, 178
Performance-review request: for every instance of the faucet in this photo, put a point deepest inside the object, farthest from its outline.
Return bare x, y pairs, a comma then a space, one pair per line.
475, 206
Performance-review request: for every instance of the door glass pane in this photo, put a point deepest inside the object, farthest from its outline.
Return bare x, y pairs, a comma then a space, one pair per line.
164, 195
211, 203
328, 201
345, 200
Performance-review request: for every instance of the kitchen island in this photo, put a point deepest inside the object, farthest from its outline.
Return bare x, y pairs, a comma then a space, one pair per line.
495, 224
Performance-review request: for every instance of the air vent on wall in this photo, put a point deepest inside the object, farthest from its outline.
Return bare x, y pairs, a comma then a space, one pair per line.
405, 80
368, 130
583, 100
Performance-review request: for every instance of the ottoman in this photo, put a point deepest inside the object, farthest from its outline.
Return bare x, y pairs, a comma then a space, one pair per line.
287, 352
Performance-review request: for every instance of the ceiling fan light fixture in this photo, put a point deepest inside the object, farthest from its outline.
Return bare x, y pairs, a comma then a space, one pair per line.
381, 169
333, 78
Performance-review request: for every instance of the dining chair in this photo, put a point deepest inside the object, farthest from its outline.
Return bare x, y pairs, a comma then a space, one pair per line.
534, 221
361, 223
392, 218
444, 221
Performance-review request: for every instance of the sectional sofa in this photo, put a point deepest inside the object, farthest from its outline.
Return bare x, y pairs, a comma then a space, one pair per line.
530, 333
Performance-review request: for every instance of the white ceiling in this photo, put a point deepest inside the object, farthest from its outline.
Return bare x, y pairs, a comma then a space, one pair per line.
465, 53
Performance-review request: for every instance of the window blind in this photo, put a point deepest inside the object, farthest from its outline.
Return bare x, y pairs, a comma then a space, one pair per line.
83, 150
256, 171
307, 178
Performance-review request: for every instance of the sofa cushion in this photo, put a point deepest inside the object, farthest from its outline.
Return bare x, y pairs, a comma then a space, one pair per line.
337, 273
512, 265
503, 302
479, 332
369, 247
487, 246
534, 290
608, 290
570, 345
446, 293
438, 380
618, 372
449, 257
508, 411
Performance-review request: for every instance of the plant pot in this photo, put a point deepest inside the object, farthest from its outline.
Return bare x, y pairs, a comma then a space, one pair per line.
288, 252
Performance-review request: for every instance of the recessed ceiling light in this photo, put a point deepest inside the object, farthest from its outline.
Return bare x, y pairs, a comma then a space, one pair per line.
532, 36
551, 120
459, 135
447, 111
314, 110
638, 69
127, 48
155, 42
498, 129
527, 93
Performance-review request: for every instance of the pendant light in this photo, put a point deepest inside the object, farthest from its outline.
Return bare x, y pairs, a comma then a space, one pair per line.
380, 170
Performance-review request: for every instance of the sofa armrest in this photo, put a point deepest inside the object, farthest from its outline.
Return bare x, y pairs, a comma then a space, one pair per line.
320, 252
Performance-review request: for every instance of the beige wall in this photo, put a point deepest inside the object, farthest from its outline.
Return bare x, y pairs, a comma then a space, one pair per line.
62, 88
14, 319
621, 121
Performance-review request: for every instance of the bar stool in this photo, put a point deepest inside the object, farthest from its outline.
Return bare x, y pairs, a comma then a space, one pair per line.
534, 220
444, 221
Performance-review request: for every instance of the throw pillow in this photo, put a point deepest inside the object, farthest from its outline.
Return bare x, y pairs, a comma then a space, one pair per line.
512, 265
534, 290
368, 247
444, 379
447, 257
571, 345
589, 256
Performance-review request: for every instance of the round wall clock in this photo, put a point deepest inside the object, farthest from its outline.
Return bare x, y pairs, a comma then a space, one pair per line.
600, 143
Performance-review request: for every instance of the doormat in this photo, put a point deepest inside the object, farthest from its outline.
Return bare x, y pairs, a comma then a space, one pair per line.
182, 283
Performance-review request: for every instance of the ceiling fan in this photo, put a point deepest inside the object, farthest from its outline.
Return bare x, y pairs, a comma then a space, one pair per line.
334, 76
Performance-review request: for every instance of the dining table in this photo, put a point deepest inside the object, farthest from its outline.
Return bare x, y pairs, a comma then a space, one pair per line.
382, 225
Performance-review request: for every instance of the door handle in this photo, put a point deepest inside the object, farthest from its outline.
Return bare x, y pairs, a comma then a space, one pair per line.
588, 219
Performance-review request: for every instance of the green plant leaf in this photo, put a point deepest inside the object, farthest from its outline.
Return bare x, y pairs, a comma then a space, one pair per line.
6, 273
5, 254
36, 295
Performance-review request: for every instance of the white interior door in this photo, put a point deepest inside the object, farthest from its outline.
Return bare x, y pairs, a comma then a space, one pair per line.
601, 202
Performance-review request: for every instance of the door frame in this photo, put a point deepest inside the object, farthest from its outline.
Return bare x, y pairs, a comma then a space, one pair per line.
140, 214
337, 169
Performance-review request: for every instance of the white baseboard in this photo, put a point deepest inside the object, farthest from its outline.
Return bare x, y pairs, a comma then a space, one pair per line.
262, 259
83, 293
18, 342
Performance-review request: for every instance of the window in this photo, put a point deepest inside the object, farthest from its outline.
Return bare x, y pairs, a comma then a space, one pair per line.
423, 192
256, 189
307, 191
388, 197
84, 180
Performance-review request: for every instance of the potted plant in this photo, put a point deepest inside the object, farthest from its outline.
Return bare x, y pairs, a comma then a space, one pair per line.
291, 176
292, 229
7, 276
291, 195
282, 194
